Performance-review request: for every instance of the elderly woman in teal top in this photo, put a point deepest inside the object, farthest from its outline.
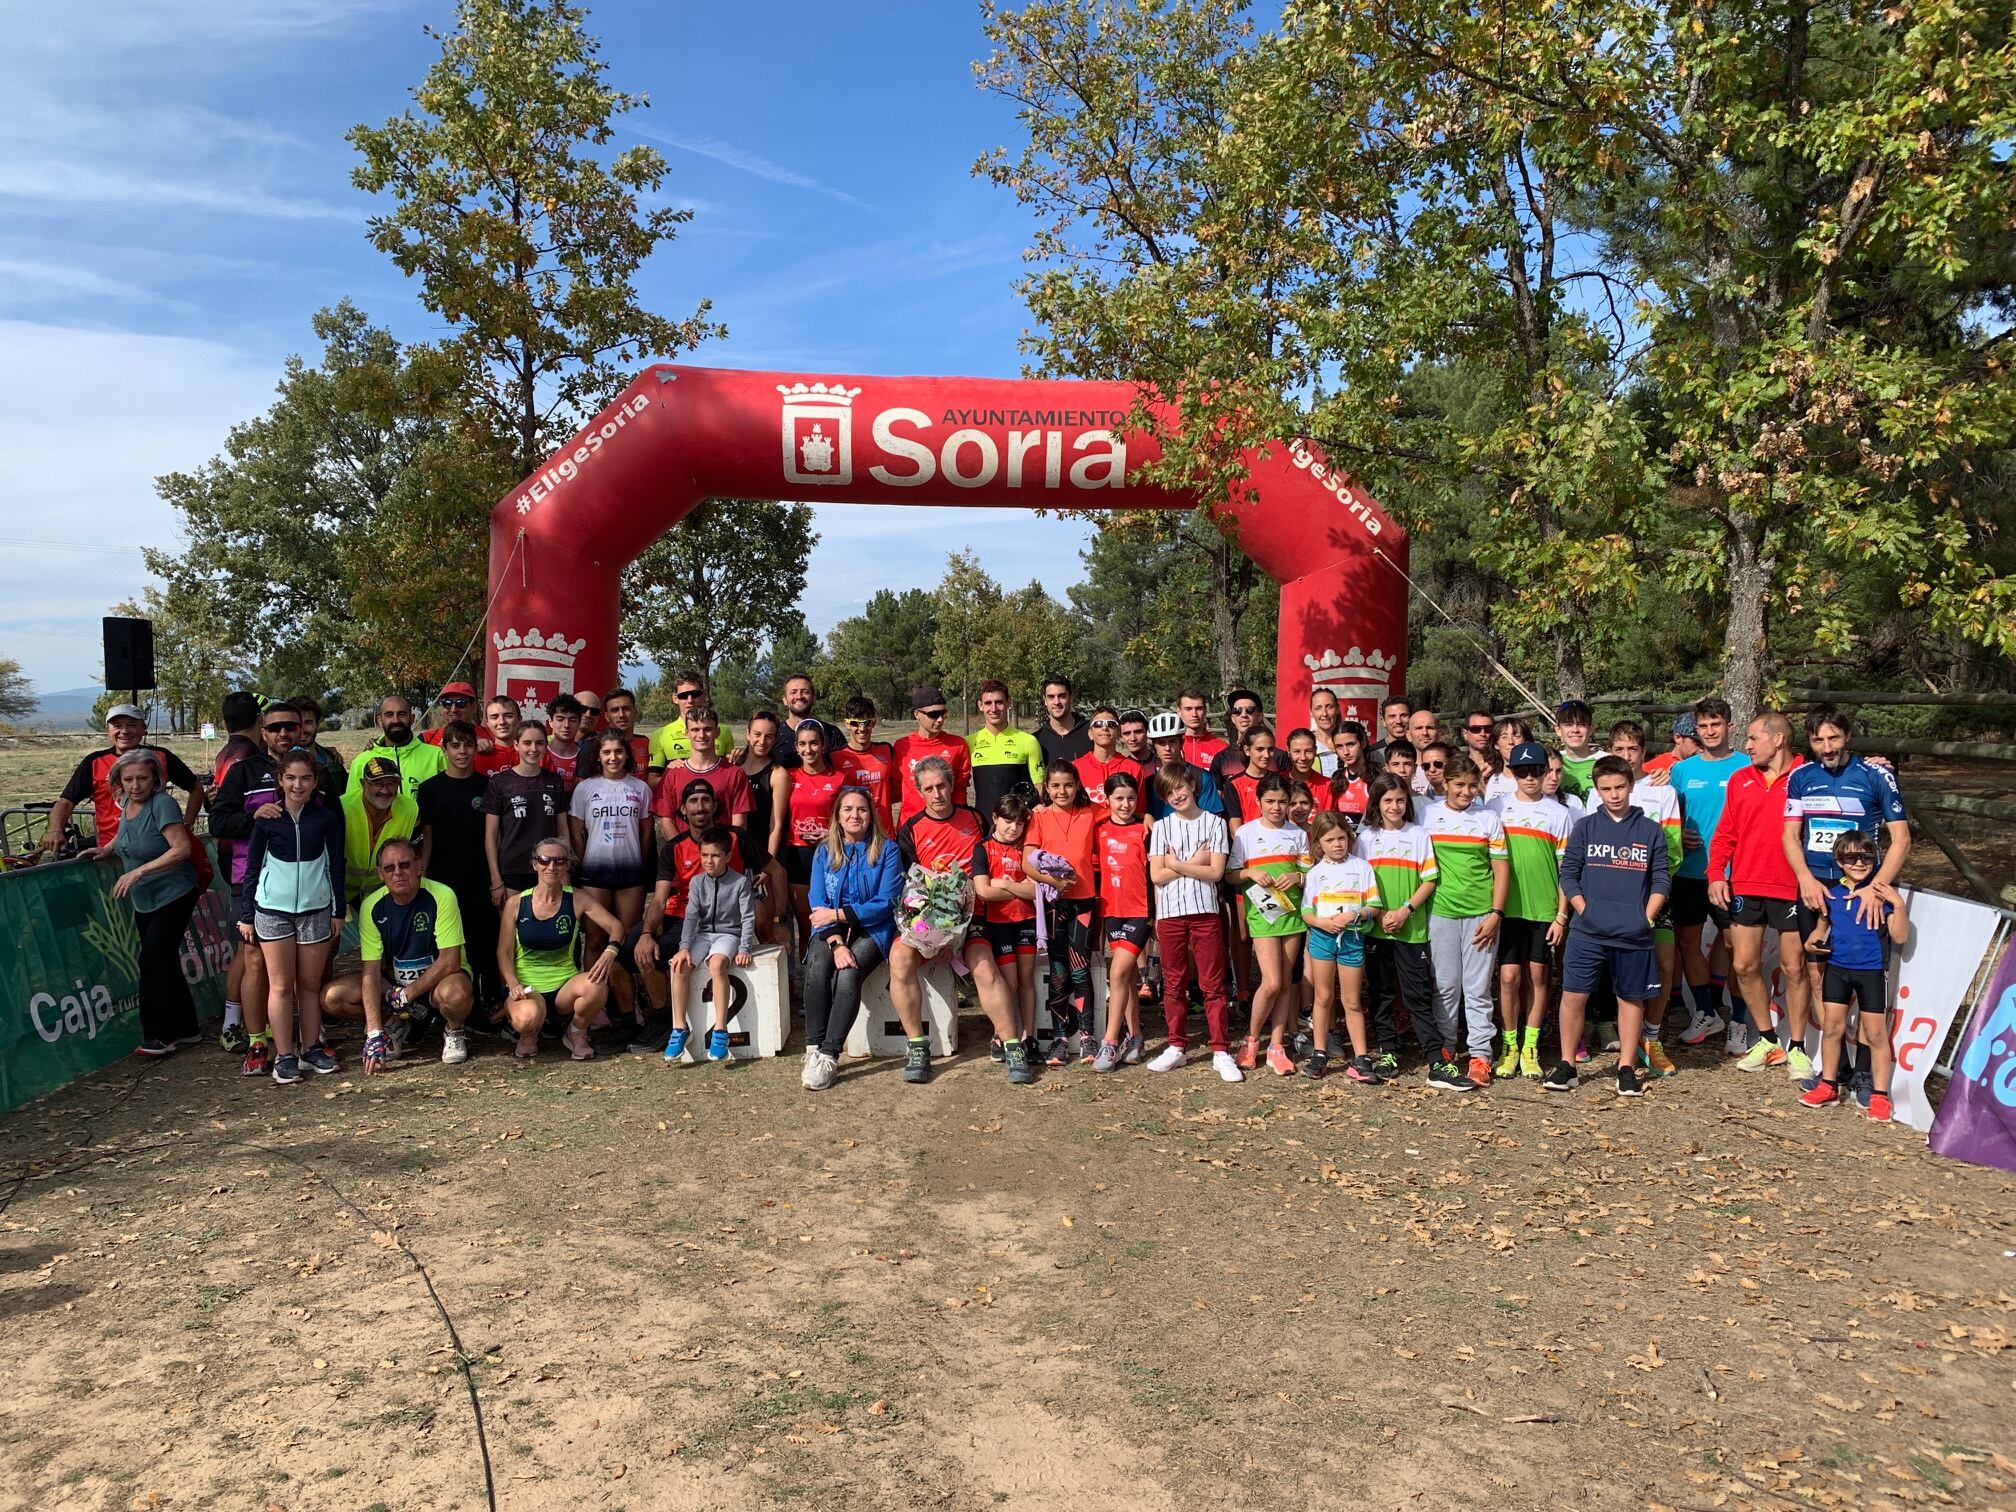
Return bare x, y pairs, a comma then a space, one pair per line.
152, 849
539, 954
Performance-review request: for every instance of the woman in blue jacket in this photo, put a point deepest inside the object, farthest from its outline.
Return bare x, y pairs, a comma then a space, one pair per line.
856, 876
292, 905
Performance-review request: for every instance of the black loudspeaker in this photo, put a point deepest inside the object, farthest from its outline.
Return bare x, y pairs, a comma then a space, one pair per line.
129, 654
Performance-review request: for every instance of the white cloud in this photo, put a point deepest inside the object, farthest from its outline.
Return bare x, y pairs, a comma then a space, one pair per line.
99, 186
88, 418
24, 282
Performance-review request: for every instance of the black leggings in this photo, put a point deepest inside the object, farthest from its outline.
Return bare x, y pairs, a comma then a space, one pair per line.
1071, 949
167, 1012
833, 996
479, 929
1399, 969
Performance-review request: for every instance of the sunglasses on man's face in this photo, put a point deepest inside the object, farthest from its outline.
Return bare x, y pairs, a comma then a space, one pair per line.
1479, 729
1105, 724
932, 713
456, 703
282, 726
686, 695
1247, 709
1431, 766
859, 724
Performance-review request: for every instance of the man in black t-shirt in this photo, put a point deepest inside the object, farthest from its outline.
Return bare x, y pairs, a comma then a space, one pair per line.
1063, 732
451, 824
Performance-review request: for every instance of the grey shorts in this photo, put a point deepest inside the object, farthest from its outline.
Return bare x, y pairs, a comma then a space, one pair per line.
711, 945
310, 928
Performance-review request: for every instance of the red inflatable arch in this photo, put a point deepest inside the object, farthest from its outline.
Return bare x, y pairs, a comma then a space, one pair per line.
560, 540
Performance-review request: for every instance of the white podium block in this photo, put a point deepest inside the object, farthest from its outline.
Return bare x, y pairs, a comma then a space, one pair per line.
759, 1021
877, 1031
1045, 1029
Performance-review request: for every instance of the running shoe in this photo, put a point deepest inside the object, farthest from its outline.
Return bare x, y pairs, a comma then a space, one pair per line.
1360, 1068
1762, 1054
1798, 1064
1029, 1049
1820, 1094
1508, 1063
819, 1069
1088, 1047
454, 1047
1316, 1065
1862, 1088
1561, 1078
676, 1042
1657, 1058
1529, 1060
1387, 1064
649, 1037
1739, 1039
1627, 1083
376, 1052
527, 1047
576, 1041
1447, 1076
994, 1052
1279, 1061
917, 1061
234, 1039
286, 1071
1300, 1043
1479, 1071
1060, 1050
1021, 1069
398, 1029
1170, 1058
1701, 1028
1249, 1053
1132, 1051
1606, 1034
153, 1049
184, 1041
1226, 1067
258, 1057
1879, 1107
717, 1046
318, 1059
1582, 1051
1106, 1057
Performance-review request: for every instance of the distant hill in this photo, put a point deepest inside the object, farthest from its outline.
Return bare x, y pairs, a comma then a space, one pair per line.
66, 709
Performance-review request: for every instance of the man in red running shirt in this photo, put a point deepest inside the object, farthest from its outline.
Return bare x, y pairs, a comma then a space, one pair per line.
1105, 758
929, 739
941, 835
1200, 745
869, 764
125, 730
1749, 875
455, 702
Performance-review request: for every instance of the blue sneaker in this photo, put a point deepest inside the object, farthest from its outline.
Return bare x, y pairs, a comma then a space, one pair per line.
318, 1059
286, 1071
675, 1045
1862, 1086
717, 1044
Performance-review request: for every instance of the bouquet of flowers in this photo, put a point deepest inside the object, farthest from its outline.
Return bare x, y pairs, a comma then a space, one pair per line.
934, 909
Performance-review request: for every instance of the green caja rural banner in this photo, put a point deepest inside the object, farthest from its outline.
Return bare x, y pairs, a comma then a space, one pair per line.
69, 970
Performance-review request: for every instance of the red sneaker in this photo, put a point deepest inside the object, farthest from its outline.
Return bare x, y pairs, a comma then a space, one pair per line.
1248, 1058
1820, 1094
1880, 1109
1480, 1071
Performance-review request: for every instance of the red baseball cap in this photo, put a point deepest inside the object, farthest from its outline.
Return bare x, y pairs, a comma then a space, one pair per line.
459, 687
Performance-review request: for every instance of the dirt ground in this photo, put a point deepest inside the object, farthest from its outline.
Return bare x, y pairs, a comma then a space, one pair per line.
703, 1287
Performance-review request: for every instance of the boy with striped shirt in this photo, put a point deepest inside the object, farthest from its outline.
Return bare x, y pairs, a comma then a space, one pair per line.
1472, 877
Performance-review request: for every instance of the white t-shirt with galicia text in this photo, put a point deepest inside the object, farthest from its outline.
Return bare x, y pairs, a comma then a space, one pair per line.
615, 812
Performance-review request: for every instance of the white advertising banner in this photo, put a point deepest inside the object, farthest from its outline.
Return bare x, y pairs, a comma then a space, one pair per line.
1931, 974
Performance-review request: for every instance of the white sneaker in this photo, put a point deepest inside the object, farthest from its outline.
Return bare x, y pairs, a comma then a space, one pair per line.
1701, 1027
1169, 1060
819, 1075
1740, 1039
454, 1047
1607, 1032
1226, 1067
805, 1071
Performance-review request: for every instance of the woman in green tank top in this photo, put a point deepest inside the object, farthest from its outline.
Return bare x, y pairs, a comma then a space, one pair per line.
539, 954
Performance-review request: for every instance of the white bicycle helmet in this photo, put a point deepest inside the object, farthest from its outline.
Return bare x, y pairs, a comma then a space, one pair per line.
1164, 726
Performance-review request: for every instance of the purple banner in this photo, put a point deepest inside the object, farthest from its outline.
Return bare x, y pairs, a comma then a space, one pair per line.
1977, 1121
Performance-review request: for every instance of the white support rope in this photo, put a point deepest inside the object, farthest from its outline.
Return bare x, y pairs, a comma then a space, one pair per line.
1483, 650
516, 547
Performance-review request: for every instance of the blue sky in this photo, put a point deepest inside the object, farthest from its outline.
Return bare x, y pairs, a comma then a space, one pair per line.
175, 202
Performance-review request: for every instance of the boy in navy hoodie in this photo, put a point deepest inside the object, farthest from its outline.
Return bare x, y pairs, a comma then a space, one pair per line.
1616, 878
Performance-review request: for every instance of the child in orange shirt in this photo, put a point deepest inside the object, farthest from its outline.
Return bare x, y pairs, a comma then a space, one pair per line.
1060, 833
1121, 844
